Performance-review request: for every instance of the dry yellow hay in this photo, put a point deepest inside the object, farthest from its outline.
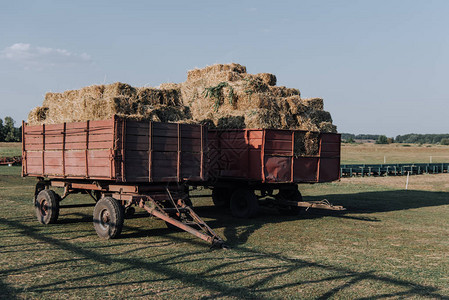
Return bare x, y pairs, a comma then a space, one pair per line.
221, 95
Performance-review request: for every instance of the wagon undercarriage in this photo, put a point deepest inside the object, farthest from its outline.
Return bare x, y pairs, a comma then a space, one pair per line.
169, 203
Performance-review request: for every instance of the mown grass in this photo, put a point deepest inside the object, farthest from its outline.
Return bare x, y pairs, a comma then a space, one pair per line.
389, 243
10, 149
393, 153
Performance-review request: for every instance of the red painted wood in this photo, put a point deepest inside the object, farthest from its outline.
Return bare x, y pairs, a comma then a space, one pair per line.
116, 149
266, 155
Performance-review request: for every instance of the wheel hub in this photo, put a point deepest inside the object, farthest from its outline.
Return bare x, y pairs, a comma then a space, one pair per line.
105, 219
43, 207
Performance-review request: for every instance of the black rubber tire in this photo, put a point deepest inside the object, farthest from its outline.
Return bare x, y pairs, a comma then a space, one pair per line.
47, 207
188, 202
221, 197
129, 212
244, 203
108, 218
290, 195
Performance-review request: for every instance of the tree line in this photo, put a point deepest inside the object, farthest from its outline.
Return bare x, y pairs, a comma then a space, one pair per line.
411, 138
8, 132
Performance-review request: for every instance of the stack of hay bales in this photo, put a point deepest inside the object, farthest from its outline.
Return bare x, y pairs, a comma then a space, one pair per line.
228, 97
222, 96
99, 102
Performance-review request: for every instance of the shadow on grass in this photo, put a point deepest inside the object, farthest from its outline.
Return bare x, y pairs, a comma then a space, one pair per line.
356, 204
373, 202
166, 265
7, 292
265, 278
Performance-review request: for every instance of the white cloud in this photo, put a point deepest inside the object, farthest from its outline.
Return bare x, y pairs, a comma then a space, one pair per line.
39, 57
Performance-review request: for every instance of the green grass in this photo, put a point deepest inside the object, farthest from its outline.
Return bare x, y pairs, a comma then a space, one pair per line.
393, 153
10, 149
390, 243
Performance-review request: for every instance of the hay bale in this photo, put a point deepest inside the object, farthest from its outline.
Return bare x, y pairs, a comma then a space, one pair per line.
306, 144
231, 122
327, 127
38, 114
267, 78
238, 100
314, 103
170, 86
282, 91
196, 74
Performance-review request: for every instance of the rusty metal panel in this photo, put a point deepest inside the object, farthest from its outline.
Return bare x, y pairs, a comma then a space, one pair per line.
329, 169
330, 145
267, 155
235, 153
277, 168
278, 142
305, 169
255, 167
255, 139
329, 165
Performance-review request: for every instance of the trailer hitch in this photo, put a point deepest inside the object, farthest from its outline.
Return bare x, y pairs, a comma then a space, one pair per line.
205, 232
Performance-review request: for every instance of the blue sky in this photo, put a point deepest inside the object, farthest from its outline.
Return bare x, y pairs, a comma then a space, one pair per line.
381, 66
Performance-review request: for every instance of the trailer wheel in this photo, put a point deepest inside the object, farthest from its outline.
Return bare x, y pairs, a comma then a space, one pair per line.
244, 203
289, 195
129, 212
47, 207
221, 197
108, 218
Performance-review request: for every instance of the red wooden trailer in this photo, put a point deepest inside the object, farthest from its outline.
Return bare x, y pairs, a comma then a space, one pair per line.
119, 163
242, 161
14, 160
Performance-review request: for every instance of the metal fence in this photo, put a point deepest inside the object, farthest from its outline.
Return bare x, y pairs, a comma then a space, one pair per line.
349, 170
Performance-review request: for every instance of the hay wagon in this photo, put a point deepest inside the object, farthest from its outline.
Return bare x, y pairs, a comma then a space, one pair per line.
14, 160
122, 163
252, 167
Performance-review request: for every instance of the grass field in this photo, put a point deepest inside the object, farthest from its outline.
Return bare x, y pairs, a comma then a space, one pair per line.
393, 153
10, 149
390, 243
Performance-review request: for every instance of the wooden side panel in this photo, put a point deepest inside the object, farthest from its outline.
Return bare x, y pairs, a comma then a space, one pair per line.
136, 147
73, 150
161, 152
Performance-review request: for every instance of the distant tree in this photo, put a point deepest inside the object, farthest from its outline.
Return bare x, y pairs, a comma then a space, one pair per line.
444, 141
2, 133
382, 140
9, 130
347, 136
390, 140
421, 138
367, 136
18, 133
350, 140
